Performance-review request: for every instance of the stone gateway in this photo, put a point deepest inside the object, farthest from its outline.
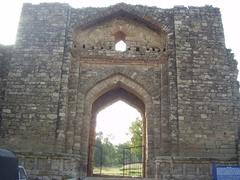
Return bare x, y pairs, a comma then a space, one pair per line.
64, 69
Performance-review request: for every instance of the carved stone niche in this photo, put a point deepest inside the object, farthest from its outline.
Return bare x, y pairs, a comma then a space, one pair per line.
99, 39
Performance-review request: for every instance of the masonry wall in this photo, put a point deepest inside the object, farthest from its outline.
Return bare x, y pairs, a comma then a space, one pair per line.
207, 84
191, 78
32, 97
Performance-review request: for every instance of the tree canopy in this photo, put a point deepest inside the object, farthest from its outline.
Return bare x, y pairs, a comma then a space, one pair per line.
107, 154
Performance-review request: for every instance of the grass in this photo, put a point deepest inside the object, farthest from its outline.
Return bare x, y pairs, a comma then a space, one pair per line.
114, 171
129, 170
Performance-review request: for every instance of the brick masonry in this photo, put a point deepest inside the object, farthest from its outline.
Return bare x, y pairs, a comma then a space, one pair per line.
176, 71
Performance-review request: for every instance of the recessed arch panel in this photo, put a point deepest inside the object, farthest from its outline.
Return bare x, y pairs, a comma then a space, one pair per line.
131, 31
106, 92
117, 80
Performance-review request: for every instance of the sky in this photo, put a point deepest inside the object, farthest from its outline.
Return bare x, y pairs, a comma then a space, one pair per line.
115, 120
121, 113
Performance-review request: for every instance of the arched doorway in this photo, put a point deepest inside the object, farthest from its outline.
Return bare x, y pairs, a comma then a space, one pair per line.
108, 98
106, 92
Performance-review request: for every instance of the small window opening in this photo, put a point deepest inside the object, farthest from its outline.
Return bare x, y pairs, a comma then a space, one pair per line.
84, 46
164, 50
120, 46
129, 49
74, 45
147, 49
110, 47
92, 47
137, 49
153, 49
101, 47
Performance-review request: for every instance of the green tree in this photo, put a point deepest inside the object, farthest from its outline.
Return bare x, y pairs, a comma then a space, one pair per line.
119, 152
98, 157
109, 152
105, 152
136, 132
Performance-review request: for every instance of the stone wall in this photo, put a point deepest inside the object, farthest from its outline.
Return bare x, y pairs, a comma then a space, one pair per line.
188, 168
176, 64
32, 96
50, 165
207, 86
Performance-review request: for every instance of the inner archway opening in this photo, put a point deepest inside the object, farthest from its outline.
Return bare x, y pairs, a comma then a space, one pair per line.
114, 123
117, 139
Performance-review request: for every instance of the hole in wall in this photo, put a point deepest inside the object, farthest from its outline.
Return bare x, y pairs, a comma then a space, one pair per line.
84, 46
121, 46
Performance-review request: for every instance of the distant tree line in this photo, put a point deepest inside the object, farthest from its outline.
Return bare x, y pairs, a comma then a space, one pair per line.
108, 154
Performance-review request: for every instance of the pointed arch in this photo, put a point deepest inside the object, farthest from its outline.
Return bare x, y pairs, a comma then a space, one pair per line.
122, 10
98, 91
117, 80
